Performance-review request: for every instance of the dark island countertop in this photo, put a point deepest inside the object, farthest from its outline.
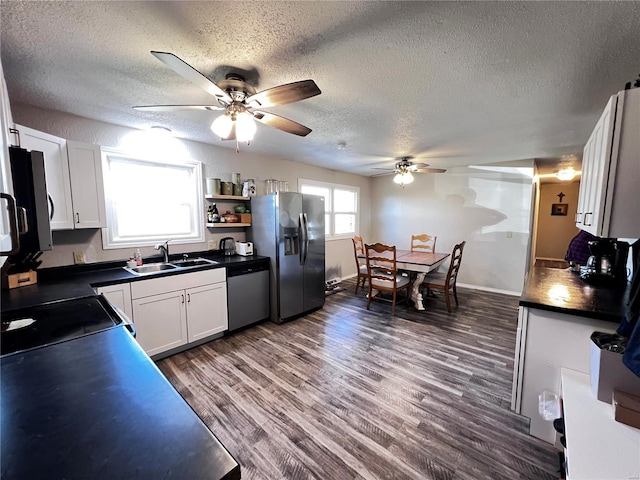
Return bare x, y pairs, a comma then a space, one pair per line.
61, 283
563, 291
97, 407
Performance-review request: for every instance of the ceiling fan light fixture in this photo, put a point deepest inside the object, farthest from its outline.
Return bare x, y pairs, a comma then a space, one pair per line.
221, 126
403, 178
245, 127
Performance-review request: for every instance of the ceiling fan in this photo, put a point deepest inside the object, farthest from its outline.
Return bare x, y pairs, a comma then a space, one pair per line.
239, 100
404, 169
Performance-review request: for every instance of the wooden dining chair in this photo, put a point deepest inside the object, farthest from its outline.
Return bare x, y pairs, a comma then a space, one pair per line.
361, 262
423, 243
446, 282
383, 274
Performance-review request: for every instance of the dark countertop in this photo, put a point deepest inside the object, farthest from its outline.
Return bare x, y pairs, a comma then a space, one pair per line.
563, 291
76, 281
97, 407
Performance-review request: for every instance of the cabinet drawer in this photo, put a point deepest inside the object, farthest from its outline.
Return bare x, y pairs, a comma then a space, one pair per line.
172, 283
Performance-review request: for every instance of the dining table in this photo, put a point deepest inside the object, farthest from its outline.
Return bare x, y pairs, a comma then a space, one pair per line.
419, 262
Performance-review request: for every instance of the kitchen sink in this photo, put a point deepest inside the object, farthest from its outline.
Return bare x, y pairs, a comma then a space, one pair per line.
150, 268
164, 266
193, 262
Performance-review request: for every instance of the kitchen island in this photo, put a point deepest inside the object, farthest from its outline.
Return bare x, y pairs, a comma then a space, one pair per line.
97, 407
558, 313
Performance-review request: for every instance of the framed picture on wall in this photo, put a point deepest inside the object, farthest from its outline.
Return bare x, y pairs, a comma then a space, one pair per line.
559, 209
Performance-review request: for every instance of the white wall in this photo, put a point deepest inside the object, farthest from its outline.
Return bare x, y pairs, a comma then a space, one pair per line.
219, 162
489, 209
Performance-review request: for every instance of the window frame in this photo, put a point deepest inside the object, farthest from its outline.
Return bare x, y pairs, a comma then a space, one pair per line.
197, 234
329, 203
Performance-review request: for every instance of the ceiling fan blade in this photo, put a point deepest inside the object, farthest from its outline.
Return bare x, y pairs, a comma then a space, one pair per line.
194, 76
430, 170
288, 93
379, 168
173, 108
281, 123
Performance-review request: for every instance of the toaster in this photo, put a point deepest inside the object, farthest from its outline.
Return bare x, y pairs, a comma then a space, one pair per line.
244, 248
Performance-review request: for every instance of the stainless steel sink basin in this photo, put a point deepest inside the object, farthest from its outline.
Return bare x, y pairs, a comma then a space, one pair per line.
150, 268
164, 266
193, 262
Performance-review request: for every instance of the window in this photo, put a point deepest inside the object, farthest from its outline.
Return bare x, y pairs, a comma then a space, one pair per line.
149, 201
341, 206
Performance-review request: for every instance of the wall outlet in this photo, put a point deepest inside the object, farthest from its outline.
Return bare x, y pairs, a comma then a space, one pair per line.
509, 234
78, 257
211, 245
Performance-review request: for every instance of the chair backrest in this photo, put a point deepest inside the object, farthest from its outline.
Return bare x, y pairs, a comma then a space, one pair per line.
358, 250
454, 266
381, 264
423, 242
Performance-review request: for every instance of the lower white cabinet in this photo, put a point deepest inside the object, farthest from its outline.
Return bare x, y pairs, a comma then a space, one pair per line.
118, 295
546, 342
169, 312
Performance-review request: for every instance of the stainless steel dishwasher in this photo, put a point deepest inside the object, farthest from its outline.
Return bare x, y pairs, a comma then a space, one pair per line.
247, 295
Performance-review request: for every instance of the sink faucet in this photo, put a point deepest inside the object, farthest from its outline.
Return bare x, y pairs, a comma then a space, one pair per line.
164, 248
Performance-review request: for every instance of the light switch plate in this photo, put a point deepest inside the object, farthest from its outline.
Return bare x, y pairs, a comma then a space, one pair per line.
211, 245
78, 257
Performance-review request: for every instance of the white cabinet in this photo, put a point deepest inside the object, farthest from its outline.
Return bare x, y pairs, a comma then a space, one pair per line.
118, 295
597, 445
172, 311
74, 179
609, 204
546, 342
160, 321
87, 187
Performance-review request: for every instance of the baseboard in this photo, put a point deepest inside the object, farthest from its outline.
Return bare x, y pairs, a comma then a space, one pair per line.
550, 259
472, 287
489, 289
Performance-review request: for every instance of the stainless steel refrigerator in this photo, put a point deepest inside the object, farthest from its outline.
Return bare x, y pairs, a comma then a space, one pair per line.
288, 228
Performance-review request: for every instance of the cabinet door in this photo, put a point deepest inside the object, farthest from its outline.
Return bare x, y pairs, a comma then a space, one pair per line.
160, 322
596, 162
120, 296
87, 188
57, 171
206, 311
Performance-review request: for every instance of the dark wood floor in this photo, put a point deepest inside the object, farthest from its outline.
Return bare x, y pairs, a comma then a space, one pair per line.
346, 393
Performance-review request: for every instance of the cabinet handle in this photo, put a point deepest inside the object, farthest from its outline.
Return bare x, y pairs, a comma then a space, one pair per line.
585, 219
53, 207
188, 298
182, 297
77, 217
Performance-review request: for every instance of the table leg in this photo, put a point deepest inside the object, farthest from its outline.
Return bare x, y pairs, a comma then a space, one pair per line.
416, 296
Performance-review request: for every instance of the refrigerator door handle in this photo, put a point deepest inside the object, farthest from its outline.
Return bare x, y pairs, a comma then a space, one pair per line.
304, 239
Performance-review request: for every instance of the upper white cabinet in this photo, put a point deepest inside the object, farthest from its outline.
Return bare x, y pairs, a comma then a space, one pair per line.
87, 187
609, 204
74, 179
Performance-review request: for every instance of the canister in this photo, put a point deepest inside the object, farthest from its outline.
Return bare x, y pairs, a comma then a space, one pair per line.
227, 188
249, 188
271, 185
213, 186
237, 189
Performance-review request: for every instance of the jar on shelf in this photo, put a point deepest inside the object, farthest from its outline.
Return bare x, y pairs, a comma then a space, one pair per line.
271, 185
249, 188
283, 186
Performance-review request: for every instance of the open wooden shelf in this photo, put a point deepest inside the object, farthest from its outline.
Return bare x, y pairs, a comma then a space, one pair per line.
226, 197
227, 225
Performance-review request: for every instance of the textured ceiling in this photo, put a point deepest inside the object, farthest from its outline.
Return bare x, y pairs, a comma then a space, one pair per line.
452, 83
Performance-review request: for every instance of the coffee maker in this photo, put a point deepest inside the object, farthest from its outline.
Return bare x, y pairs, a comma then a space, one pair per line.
607, 264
